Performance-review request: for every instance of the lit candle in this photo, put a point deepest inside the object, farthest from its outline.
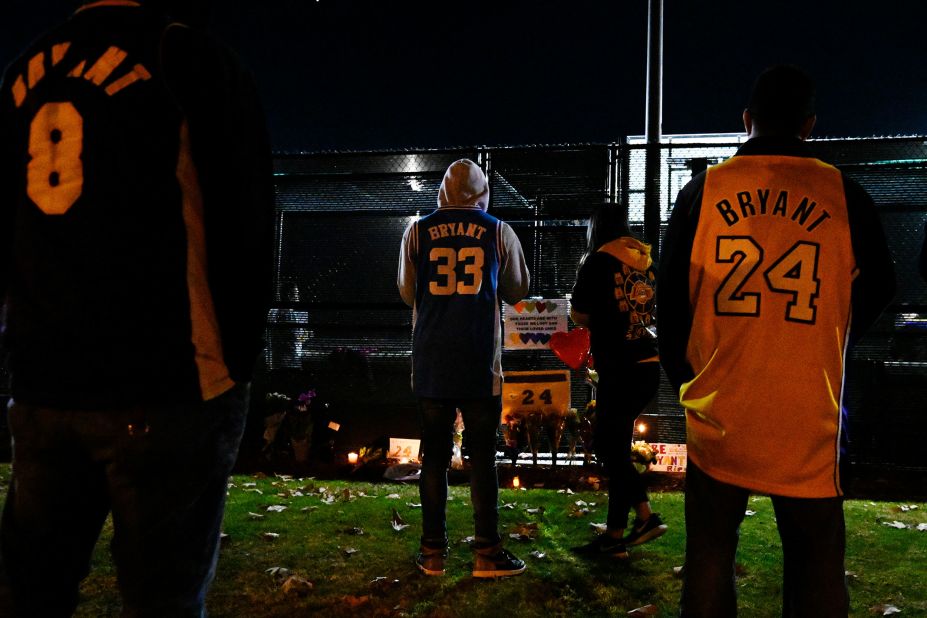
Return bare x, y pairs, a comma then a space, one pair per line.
352, 458
516, 482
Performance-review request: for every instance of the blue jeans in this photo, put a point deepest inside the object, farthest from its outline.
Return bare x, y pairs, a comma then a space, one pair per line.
481, 422
813, 537
162, 470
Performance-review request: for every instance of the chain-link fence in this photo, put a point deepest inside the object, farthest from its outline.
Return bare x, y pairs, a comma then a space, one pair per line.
340, 327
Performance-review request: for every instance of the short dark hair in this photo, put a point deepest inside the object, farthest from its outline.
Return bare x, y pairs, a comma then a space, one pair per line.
782, 99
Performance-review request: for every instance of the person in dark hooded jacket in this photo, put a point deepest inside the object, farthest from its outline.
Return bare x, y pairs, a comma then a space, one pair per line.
136, 227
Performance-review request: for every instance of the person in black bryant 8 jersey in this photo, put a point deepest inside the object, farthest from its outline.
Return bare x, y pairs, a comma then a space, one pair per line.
454, 266
774, 264
136, 208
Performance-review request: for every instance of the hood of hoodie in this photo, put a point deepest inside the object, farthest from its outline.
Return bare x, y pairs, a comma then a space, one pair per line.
629, 250
464, 184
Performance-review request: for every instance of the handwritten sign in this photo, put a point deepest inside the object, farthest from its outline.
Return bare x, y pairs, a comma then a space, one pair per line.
546, 392
530, 323
670, 457
403, 448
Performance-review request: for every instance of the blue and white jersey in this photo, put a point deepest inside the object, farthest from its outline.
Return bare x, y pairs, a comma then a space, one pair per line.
456, 341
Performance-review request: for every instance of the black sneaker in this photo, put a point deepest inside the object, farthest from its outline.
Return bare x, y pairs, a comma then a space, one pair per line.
644, 531
496, 562
430, 561
603, 546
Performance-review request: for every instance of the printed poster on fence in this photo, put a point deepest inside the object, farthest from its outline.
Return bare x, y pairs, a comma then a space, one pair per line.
545, 392
670, 457
530, 323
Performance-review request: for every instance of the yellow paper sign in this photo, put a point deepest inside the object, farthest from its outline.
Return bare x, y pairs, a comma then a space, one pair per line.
546, 392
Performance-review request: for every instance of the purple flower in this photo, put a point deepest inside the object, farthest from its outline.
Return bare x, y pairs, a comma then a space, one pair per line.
307, 397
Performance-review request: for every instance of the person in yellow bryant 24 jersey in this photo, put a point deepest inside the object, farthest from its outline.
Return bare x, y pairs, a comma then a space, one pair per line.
774, 264
136, 227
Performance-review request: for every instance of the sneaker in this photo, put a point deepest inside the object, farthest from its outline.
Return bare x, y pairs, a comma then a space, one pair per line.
496, 562
644, 531
603, 545
430, 561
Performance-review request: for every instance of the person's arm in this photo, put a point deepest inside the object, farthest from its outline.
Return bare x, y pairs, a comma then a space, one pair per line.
231, 152
579, 318
514, 279
673, 284
7, 184
406, 276
874, 283
924, 254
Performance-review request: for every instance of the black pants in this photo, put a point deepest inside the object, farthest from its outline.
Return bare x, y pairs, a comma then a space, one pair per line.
620, 398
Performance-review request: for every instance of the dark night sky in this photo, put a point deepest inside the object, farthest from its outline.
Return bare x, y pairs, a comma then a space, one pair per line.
350, 75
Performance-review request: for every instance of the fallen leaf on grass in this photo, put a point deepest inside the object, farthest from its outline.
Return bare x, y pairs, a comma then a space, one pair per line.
578, 512
904, 508
284, 477
567, 491
396, 497
581, 503
467, 540
270, 536
249, 484
679, 572
509, 505
600, 528
349, 551
278, 571
224, 539
647, 610
922, 527
353, 601
256, 491
884, 610
328, 499
296, 586
255, 515
525, 532
381, 584
895, 524
538, 555
749, 513
535, 511
309, 508
355, 531
397, 522
276, 508
414, 505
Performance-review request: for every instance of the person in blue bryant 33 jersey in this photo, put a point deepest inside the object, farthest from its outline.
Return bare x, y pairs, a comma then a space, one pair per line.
454, 266
136, 213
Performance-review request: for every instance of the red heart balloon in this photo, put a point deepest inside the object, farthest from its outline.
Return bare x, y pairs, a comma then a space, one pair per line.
572, 347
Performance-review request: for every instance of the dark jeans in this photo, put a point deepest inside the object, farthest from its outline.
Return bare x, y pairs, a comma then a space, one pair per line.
481, 422
813, 543
163, 473
619, 400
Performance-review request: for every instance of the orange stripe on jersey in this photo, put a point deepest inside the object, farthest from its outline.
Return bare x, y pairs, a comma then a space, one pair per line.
36, 70
213, 373
108, 3
105, 65
137, 73
58, 52
770, 280
19, 91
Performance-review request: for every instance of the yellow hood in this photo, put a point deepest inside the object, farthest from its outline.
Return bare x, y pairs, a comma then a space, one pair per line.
629, 250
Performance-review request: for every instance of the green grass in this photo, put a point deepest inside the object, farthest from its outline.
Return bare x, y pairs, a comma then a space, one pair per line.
887, 565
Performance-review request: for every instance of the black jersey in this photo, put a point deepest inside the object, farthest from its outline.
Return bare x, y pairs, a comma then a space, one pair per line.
135, 205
